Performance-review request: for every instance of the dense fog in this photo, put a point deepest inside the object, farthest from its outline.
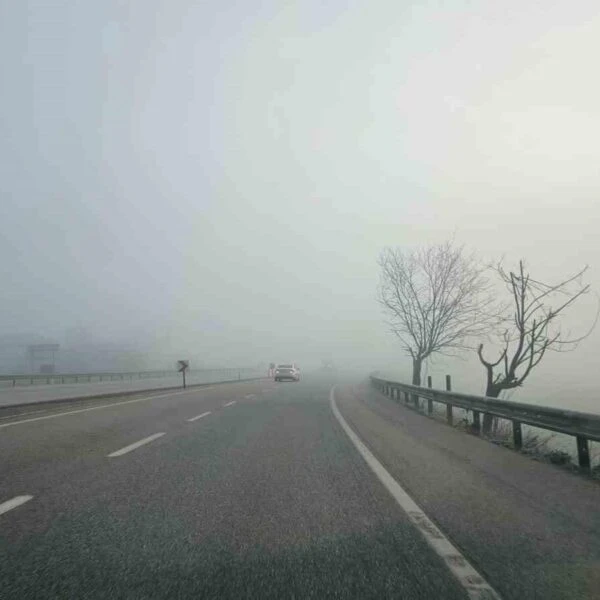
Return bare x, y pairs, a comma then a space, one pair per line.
215, 181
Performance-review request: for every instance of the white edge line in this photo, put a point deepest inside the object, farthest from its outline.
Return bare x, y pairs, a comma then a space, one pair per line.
198, 417
13, 503
475, 585
131, 447
229, 403
113, 404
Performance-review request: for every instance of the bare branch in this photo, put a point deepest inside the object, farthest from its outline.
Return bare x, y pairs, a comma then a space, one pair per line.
534, 326
437, 299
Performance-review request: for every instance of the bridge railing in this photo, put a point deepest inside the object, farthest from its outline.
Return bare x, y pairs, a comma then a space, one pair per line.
58, 378
583, 426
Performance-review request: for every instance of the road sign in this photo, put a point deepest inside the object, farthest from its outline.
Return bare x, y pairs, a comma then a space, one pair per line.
182, 366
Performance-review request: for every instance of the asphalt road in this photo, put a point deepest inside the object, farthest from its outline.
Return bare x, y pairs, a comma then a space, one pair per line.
253, 490
531, 529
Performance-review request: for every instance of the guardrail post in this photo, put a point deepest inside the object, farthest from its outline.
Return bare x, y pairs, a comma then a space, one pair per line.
583, 452
517, 435
476, 422
406, 397
429, 401
449, 416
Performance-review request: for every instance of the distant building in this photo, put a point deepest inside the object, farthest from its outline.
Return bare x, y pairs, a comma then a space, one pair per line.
26, 353
42, 357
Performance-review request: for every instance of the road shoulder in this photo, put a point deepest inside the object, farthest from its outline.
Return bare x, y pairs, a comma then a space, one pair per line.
531, 529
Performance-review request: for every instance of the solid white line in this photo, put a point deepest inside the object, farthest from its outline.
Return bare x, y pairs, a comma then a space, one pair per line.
229, 403
82, 410
131, 447
16, 501
475, 585
198, 417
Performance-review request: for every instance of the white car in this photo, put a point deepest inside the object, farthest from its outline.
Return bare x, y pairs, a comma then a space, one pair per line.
287, 371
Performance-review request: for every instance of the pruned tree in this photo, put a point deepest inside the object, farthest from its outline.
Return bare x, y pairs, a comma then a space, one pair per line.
532, 330
436, 298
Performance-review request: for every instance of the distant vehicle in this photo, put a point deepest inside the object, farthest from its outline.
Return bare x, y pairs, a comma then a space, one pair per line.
288, 371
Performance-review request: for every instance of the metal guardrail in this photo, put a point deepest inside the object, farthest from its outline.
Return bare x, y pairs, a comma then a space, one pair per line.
57, 378
583, 426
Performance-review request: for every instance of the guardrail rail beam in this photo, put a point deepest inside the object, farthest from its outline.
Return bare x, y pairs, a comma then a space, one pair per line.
584, 427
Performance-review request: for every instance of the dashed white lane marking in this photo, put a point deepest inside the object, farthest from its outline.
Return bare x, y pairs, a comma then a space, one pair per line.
198, 417
475, 585
250, 396
136, 445
13, 503
229, 403
112, 405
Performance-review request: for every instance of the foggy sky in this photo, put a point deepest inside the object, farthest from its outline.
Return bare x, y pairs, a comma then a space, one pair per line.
217, 179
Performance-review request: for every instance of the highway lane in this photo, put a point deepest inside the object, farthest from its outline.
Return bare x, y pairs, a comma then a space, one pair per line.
532, 529
254, 490
264, 497
37, 447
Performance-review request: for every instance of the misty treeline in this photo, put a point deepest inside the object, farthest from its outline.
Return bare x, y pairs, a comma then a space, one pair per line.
443, 300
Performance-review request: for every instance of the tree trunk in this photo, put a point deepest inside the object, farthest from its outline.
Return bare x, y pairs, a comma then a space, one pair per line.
492, 391
416, 371
416, 377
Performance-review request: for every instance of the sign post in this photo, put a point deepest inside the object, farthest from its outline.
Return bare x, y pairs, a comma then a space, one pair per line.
182, 366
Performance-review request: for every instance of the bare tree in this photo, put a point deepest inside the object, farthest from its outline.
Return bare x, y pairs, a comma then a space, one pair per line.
532, 330
437, 298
